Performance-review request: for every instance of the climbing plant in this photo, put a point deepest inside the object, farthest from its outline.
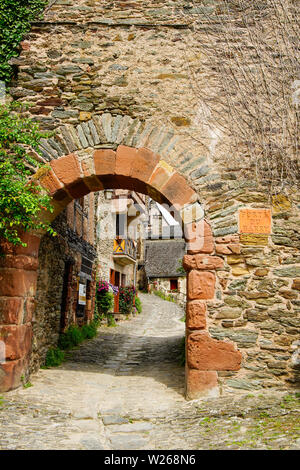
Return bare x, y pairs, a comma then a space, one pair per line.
15, 21
22, 198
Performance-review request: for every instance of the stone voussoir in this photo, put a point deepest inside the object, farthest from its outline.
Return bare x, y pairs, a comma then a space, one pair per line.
67, 169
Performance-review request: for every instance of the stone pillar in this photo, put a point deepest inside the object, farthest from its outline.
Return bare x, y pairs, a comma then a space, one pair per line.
204, 355
18, 279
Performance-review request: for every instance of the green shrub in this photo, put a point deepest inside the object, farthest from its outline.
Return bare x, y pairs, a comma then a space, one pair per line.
70, 338
160, 294
138, 304
54, 357
105, 302
89, 331
21, 199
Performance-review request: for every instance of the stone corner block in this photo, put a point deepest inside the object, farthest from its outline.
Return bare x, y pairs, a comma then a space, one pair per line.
206, 353
201, 384
201, 285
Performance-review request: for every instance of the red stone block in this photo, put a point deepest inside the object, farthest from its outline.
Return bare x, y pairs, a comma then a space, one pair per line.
228, 239
67, 169
125, 159
199, 237
159, 178
201, 285
104, 162
33, 245
143, 164
20, 262
196, 315
201, 383
10, 374
177, 191
296, 284
11, 310
204, 262
17, 339
206, 353
17, 282
32, 248
223, 249
29, 308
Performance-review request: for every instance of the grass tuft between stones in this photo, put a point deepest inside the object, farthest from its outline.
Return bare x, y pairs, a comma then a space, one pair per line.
72, 337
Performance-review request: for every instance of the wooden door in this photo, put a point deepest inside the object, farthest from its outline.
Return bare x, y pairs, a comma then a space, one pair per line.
115, 280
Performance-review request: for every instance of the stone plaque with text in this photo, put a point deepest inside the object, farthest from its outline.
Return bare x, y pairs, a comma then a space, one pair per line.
255, 221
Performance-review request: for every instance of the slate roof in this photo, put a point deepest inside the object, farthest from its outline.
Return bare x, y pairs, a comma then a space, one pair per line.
162, 258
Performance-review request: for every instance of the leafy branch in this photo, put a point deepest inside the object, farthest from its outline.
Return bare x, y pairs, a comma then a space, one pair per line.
22, 198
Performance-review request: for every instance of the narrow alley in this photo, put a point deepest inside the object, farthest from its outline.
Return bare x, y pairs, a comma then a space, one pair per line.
124, 390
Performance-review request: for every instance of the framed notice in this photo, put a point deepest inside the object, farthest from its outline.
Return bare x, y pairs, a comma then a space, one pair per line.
255, 221
82, 294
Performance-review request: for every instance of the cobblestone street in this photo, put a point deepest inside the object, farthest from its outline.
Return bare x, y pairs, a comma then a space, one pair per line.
124, 390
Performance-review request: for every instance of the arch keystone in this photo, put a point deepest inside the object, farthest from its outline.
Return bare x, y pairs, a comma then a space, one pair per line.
104, 162
125, 157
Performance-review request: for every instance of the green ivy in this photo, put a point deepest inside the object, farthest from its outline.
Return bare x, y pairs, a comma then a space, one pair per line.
105, 301
22, 198
16, 17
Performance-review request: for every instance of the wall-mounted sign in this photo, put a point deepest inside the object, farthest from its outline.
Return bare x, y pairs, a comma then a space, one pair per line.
255, 221
82, 294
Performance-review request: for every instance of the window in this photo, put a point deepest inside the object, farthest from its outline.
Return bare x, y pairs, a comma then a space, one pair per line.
173, 284
121, 225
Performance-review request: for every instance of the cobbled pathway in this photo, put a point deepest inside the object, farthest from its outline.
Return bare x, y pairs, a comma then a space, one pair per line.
123, 390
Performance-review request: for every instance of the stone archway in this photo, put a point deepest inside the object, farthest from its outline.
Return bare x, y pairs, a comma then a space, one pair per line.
140, 169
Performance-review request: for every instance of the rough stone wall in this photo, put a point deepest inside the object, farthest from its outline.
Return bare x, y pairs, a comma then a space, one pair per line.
121, 68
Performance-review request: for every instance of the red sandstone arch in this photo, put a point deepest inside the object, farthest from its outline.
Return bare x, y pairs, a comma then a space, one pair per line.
126, 168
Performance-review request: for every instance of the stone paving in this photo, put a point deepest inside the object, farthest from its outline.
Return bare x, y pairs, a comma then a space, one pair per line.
124, 390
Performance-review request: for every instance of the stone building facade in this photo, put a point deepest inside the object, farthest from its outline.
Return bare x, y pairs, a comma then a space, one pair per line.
112, 80
66, 262
163, 268
119, 234
164, 249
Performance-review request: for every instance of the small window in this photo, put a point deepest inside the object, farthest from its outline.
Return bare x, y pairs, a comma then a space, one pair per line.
173, 284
